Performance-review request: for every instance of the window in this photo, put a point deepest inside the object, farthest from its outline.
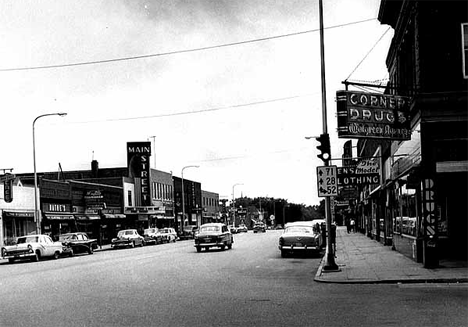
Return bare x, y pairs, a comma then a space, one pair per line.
465, 49
405, 219
129, 198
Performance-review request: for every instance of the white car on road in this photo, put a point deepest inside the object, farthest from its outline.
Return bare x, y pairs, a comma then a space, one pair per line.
33, 247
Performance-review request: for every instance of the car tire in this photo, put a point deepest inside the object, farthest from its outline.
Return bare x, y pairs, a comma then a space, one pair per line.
283, 254
11, 260
56, 255
223, 247
229, 246
198, 249
90, 249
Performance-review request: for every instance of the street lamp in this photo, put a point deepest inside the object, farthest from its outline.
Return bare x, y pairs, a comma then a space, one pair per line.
37, 216
233, 199
183, 200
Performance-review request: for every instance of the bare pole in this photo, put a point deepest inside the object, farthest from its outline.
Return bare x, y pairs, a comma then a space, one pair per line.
330, 255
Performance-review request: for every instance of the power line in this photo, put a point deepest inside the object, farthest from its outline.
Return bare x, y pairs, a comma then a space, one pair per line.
367, 54
84, 63
197, 111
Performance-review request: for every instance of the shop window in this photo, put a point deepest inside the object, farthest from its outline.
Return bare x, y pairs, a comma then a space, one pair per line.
129, 198
405, 221
465, 49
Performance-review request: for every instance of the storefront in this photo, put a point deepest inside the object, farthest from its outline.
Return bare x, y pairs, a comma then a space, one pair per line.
57, 219
17, 223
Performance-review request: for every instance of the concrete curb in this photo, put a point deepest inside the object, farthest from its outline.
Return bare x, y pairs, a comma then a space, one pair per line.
319, 279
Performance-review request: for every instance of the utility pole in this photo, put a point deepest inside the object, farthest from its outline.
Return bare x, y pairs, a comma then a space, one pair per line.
330, 264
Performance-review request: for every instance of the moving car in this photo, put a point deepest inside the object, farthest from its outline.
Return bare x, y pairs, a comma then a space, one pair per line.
300, 237
168, 234
213, 235
77, 243
33, 247
127, 237
242, 229
152, 236
259, 227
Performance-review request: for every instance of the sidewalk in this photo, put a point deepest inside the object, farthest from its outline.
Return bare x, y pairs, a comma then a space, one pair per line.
365, 261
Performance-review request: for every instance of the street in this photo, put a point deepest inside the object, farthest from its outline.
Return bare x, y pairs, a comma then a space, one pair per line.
173, 285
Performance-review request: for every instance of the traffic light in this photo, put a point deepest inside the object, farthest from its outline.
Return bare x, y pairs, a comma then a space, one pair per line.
324, 147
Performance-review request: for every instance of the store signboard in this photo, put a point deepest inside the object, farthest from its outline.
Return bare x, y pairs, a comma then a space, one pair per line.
373, 115
366, 172
138, 163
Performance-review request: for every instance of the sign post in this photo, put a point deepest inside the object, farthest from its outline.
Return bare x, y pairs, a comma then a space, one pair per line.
327, 181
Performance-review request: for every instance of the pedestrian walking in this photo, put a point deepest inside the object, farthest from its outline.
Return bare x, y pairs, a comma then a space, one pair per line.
348, 224
353, 225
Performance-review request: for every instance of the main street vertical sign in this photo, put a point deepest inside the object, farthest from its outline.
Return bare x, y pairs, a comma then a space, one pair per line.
373, 115
138, 156
327, 181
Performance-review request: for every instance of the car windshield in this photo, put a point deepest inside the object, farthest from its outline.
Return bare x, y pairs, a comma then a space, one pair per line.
128, 232
298, 229
209, 229
64, 237
28, 239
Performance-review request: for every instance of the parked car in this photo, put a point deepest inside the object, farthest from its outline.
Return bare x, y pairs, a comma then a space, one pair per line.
299, 237
242, 229
127, 238
77, 243
33, 247
168, 234
152, 236
213, 235
259, 228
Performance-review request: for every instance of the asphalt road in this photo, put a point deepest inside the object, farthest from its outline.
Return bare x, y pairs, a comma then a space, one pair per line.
173, 285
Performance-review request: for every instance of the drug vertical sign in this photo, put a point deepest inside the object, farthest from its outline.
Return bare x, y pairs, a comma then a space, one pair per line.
327, 181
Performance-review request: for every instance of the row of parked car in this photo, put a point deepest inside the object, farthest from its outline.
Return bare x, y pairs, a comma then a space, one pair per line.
35, 247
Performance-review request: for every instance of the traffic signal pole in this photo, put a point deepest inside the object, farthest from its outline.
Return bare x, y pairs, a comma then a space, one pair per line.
330, 264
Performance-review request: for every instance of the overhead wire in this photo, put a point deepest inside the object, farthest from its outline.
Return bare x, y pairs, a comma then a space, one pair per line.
367, 54
104, 61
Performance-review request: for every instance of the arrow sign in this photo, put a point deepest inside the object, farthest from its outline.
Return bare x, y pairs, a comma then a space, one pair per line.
327, 183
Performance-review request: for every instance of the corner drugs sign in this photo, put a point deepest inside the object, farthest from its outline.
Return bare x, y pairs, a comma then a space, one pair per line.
373, 115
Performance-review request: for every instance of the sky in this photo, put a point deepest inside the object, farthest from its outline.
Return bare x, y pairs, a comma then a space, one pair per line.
233, 87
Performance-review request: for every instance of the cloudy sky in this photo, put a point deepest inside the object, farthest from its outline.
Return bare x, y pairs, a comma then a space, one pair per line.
231, 86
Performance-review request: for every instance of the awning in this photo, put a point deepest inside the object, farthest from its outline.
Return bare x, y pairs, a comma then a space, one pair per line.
113, 216
18, 214
58, 216
87, 217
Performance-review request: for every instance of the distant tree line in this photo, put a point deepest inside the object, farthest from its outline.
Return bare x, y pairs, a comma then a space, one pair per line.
283, 210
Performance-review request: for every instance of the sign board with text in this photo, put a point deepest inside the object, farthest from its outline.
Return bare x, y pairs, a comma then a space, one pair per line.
373, 115
327, 181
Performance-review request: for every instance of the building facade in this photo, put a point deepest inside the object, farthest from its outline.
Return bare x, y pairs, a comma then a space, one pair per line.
420, 206
211, 209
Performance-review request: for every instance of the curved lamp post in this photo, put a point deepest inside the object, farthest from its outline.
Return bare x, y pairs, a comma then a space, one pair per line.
183, 200
37, 216
233, 199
